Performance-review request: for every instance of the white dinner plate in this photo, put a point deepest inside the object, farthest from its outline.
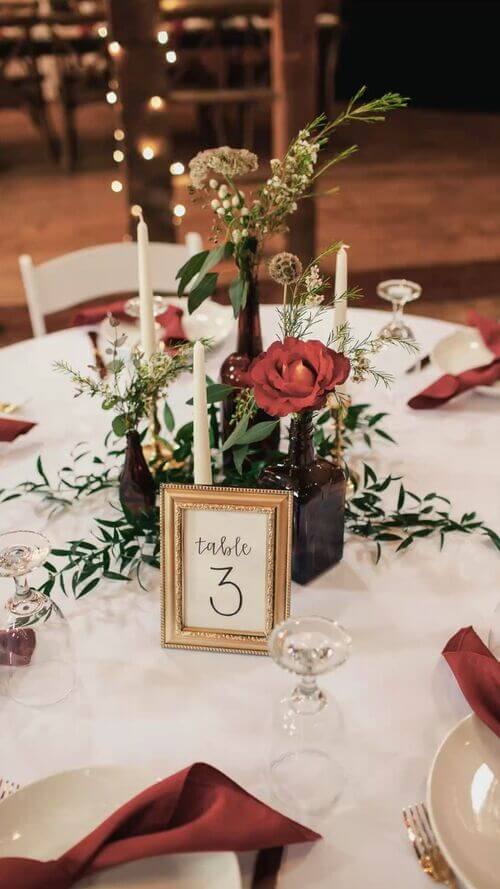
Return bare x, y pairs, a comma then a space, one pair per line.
210, 320
461, 351
45, 819
463, 797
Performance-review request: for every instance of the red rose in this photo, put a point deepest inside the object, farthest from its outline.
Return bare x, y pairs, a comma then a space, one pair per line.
295, 375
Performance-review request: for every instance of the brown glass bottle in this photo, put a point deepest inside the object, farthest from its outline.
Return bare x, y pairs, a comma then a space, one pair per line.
249, 345
318, 502
137, 487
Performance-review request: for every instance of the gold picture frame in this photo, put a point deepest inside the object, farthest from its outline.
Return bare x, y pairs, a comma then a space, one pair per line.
262, 558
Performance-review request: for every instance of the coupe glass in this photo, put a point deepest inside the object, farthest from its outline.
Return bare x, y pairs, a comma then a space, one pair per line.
35, 638
399, 292
305, 772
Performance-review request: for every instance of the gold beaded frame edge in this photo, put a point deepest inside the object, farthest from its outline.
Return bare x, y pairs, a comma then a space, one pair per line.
278, 507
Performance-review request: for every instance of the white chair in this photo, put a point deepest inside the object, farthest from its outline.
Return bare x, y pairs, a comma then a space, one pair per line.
98, 271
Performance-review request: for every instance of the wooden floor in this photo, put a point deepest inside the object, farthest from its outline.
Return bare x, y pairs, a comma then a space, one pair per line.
421, 200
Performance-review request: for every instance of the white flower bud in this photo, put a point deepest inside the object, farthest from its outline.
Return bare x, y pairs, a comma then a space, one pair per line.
221, 211
226, 204
235, 236
235, 201
223, 190
214, 204
213, 184
244, 211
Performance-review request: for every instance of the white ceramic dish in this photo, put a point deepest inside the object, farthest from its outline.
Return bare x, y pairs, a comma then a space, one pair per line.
463, 797
461, 351
44, 819
210, 320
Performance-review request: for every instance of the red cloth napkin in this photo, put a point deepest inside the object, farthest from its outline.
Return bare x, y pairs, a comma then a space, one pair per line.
10, 429
477, 672
16, 647
198, 809
170, 320
448, 386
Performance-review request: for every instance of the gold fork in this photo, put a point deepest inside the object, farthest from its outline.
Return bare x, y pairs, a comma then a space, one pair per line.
8, 407
423, 840
7, 788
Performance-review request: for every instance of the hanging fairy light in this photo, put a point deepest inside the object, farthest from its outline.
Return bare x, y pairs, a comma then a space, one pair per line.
136, 210
116, 186
171, 56
156, 103
118, 155
119, 135
177, 168
111, 97
179, 210
102, 31
148, 152
114, 48
162, 37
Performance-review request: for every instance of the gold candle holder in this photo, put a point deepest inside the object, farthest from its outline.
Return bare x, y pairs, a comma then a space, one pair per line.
156, 451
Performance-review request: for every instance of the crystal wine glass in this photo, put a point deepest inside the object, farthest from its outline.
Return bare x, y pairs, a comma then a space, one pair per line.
399, 292
305, 772
35, 638
494, 633
132, 308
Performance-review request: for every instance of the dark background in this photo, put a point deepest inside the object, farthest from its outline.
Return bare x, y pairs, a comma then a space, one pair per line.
442, 55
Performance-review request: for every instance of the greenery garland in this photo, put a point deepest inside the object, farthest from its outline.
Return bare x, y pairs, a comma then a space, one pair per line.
121, 545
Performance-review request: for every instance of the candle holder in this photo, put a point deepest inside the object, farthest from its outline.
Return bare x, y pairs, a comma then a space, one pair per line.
156, 451
338, 448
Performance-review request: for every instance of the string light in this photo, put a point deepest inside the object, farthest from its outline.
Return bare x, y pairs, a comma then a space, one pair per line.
156, 103
171, 56
111, 97
118, 155
179, 210
119, 135
116, 186
148, 152
177, 168
162, 37
114, 48
136, 210
102, 31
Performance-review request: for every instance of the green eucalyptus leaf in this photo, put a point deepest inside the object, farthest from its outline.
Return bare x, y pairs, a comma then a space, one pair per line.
258, 432
202, 291
239, 454
119, 425
168, 417
234, 438
190, 268
238, 290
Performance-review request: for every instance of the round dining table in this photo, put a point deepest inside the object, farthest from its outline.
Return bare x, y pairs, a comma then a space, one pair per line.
138, 704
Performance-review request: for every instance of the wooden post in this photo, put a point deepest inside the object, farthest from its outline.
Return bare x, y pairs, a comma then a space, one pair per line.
294, 76
140, 72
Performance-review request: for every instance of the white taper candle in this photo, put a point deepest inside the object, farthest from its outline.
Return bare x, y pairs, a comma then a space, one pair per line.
146, 316
201, 446
340, 308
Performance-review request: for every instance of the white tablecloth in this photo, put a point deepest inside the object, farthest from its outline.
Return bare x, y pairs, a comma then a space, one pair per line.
136, 703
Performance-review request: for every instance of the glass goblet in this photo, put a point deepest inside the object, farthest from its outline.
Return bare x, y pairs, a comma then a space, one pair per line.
494, 633
35, 638
398, 292
132, 308
305, 772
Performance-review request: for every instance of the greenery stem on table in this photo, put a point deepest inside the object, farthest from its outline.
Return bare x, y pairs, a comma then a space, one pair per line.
118, 548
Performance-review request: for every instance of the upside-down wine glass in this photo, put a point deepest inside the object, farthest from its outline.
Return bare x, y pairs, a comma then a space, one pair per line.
35, 638
399, 292
132, 308
305, 771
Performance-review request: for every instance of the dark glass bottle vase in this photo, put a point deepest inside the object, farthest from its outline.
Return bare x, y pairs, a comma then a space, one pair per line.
318, 502
137, 487
249, 345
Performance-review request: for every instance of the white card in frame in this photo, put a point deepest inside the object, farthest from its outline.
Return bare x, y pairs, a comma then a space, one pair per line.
225, 561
